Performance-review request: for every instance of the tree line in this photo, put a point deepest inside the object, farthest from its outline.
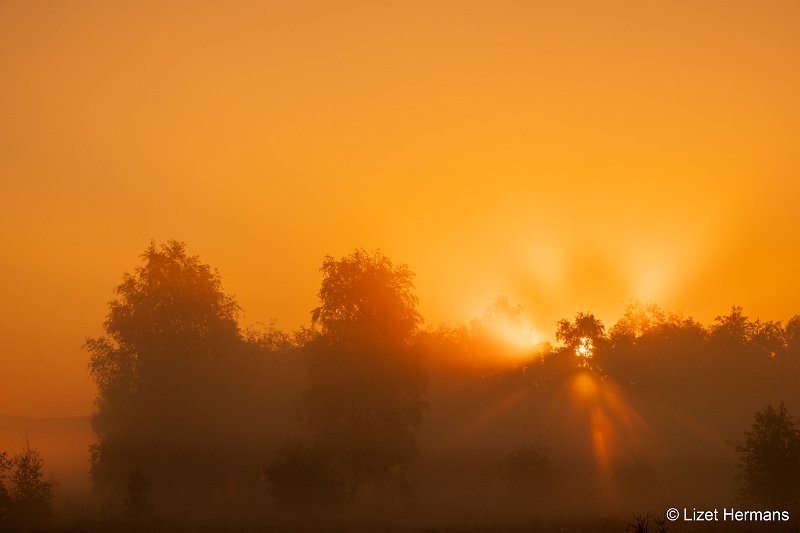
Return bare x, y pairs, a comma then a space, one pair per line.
190, 405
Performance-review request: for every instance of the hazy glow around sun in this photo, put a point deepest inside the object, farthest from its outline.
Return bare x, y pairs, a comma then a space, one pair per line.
585, 350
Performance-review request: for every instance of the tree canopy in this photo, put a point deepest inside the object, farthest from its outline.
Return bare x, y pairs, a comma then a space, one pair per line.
365, 298
170, 323
366, 393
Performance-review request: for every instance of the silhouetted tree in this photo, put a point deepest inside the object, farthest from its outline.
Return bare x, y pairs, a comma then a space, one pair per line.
301, 475
446, 349
5, 495
31, 493
528, 470
175, 380
767, 339
585, 338
366, 393
585, 326
769, 457
732, 331
650, 347
636, 321
500, 314
791, 335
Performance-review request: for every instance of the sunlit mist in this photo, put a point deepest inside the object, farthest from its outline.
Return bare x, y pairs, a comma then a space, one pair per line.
417, 266
615, 429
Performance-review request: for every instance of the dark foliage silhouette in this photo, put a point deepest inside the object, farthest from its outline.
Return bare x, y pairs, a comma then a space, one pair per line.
301, 476
5, 494
26, 496
769, 458
641, 524
366, 392
529, 471
793, 333
190, 407
584, 326
178, 386
585, 338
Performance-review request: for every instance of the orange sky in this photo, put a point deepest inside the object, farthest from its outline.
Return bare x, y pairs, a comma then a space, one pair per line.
569, 155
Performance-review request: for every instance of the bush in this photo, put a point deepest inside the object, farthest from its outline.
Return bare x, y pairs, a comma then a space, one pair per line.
301, 475
26, 498
527, 469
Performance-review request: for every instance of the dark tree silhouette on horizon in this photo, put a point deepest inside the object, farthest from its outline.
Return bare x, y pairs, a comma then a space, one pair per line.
32, 495
585, 325
792, 336
585, 339
190, 404
769, 458
174, 378
26, 497
366, 392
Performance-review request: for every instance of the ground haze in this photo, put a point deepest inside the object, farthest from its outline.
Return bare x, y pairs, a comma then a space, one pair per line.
359, 265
